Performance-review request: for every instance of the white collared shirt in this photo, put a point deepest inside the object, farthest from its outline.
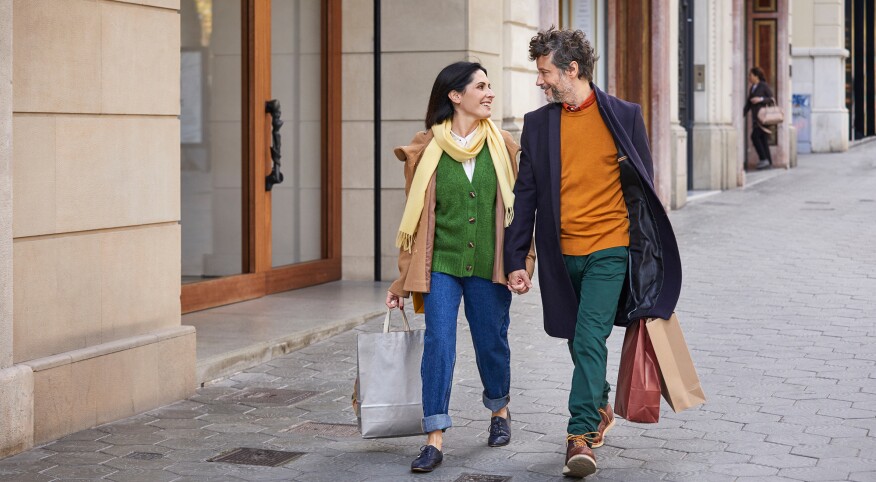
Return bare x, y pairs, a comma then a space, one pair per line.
469, 165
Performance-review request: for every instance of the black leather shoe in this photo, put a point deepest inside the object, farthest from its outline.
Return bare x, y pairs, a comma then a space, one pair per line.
500, 431
429, 458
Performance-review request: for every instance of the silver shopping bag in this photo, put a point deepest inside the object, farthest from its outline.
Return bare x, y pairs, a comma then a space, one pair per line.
388, 394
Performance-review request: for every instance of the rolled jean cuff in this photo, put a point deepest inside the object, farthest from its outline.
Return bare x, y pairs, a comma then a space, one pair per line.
496, 404
436, 422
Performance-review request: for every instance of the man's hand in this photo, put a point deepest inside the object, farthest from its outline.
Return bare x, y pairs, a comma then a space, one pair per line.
519, 282
394, 301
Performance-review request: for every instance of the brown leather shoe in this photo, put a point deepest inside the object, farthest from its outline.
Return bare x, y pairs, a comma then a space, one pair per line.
607, 422
580, 461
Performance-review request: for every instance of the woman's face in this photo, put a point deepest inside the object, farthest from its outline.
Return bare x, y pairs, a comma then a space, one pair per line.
752, 79
476, 100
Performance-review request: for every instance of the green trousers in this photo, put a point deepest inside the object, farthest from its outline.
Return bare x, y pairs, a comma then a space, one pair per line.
597, 278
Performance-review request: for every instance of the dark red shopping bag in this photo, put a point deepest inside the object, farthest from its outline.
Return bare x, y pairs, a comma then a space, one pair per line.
637, 397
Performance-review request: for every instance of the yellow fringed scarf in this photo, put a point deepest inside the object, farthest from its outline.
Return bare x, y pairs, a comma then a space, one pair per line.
487, 132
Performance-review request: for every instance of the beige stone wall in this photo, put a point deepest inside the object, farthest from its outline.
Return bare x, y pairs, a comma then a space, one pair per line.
357, 132
95, 219
95, 287
16, 381
519, 94
5, 183
130, 376
96, 148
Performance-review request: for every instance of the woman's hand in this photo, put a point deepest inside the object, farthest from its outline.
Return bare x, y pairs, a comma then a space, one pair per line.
394, 301
519, 282
757, 100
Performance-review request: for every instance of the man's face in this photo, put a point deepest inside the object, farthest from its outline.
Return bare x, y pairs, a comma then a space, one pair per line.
555, 83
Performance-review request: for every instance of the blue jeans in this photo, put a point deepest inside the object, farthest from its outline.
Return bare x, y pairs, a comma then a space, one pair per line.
486, 309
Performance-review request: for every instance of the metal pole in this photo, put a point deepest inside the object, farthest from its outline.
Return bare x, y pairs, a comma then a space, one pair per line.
377, 146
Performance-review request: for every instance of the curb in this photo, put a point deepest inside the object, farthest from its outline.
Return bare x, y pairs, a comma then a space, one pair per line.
215, 368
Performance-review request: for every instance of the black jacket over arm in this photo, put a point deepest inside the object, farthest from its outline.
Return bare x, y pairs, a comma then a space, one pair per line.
653, 280
761, 89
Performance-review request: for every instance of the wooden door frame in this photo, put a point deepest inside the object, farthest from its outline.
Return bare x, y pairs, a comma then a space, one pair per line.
629, 48
259, 277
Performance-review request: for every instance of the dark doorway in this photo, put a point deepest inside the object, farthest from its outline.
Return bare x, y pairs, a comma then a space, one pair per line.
860, 95
685, 79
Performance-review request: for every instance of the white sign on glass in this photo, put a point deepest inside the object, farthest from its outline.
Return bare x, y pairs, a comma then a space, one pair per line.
584, 18
191, 97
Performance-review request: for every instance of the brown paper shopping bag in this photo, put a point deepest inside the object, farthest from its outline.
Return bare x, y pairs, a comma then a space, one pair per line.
637, 397
680, 384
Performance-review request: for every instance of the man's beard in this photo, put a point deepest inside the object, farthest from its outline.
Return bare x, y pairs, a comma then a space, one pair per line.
557, 96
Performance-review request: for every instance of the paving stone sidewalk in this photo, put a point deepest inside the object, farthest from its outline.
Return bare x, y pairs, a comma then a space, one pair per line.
778, 306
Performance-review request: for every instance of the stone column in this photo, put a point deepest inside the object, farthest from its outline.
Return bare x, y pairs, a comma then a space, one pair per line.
714, 135
661, 150
549, 14
818, 56
16, 381
519, 94
784, 155
678, 135
738, 90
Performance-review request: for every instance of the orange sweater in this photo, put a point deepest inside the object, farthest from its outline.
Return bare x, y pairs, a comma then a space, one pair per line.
593, 215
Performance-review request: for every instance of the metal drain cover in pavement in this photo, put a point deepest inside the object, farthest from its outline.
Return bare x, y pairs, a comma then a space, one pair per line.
483, 478
263, 457
270, 395
329, 429
144, 456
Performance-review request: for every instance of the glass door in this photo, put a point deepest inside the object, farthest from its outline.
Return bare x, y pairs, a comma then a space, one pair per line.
260, 146
296, 204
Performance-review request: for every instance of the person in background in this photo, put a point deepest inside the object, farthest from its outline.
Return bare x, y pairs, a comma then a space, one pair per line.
459, 180
759, 95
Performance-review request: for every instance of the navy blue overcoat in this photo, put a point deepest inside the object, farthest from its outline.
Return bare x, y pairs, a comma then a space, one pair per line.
653, 280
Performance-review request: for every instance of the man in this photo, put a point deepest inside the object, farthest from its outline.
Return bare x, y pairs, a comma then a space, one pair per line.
607, 253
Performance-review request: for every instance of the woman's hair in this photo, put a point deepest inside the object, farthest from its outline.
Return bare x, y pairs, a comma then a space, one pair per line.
567, 46
455, 76
758, 73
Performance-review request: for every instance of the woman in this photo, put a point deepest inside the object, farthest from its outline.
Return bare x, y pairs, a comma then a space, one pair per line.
759, 94
459, 179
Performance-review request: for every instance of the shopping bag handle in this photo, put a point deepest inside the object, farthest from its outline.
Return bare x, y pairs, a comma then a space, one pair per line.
404, 317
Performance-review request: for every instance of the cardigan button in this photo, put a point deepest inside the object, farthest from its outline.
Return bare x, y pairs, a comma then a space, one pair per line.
472, 194
468, 268
470, 244
471, 220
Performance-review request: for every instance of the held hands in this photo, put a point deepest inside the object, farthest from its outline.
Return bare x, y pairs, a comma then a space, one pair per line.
519, 282
394, 301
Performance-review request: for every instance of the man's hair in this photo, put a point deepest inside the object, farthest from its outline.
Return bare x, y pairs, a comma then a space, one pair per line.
567, 46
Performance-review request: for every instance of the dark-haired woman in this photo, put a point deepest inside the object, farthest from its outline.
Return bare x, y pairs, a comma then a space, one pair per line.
759, 95
459, 180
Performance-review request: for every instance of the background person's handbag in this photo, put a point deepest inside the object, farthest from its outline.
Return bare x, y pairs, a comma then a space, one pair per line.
770, 114
637, 397
388, 397
680, 383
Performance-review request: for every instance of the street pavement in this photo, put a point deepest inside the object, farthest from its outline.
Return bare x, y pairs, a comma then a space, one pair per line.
778, 310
